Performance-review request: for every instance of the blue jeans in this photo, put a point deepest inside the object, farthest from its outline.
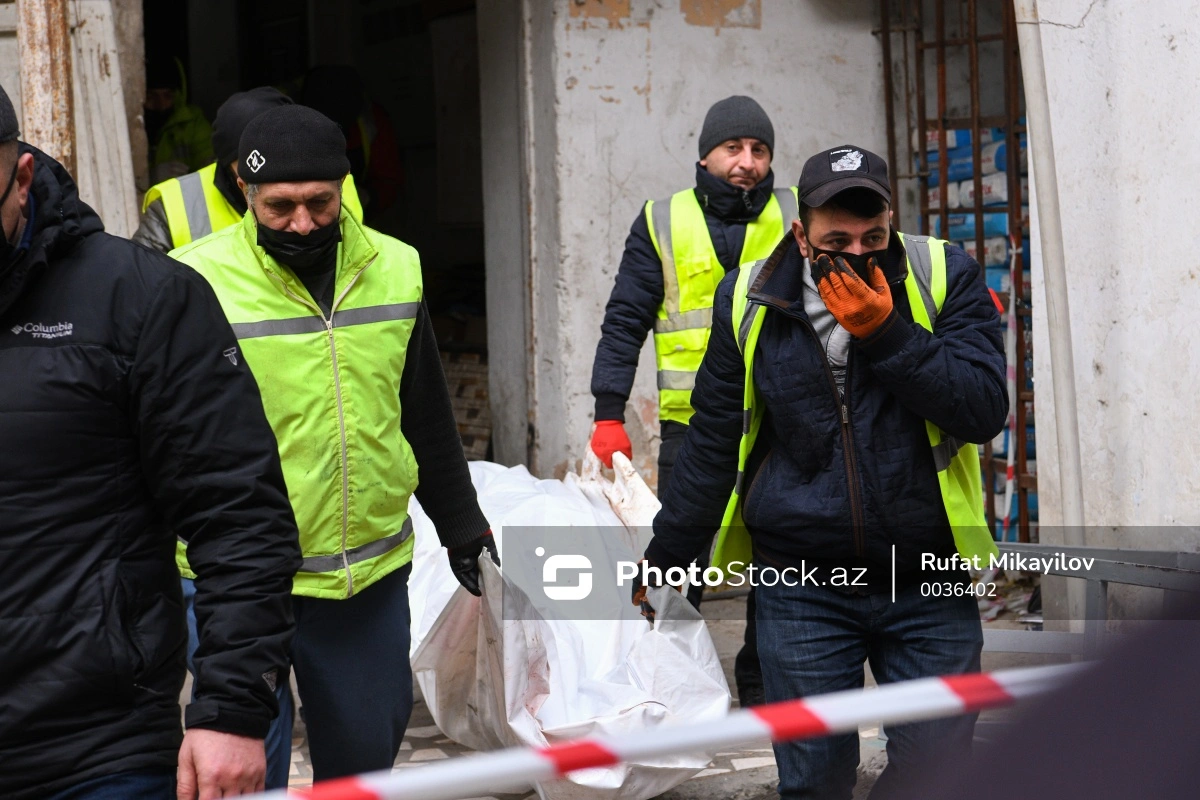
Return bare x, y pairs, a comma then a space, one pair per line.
279, 736
813, 640
126, 786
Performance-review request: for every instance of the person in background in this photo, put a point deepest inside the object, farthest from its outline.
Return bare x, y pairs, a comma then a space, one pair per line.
128, 416
337, 91
677, 252
179, 134
331, 318
180, 210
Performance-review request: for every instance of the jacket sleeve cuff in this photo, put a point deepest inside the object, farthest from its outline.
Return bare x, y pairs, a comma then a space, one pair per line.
888, 340
215, 717
610, 405
462, 528
659, 556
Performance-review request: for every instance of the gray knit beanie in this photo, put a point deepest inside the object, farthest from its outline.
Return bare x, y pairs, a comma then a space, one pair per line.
733, 118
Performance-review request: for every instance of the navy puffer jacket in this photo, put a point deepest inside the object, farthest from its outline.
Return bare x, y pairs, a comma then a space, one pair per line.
816, 488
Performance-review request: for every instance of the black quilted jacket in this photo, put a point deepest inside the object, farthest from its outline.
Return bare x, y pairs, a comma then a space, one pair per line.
127, 417
816, 488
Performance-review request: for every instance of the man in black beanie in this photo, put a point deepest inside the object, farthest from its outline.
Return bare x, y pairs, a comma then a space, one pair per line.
331, 318
677, 252
127, 419
180, 210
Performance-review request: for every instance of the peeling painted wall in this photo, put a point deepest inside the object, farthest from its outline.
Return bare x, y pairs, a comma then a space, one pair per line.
1122, 92
619, 91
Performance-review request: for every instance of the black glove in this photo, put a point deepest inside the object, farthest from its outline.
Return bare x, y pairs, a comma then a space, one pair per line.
655, 556
464, 561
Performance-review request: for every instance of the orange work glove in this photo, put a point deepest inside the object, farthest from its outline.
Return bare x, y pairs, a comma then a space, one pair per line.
859, 308
609, 437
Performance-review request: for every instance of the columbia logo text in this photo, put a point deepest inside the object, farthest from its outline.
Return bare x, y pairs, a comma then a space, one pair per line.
39, 330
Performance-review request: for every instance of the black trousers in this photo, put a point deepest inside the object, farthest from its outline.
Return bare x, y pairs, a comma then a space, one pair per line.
747, 672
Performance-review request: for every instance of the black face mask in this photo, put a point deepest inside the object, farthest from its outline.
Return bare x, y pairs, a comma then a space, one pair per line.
8, 250
303, 253
859, 263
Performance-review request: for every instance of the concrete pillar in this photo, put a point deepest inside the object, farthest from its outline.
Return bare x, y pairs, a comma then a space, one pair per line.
47, 99
131, 52
1126, 167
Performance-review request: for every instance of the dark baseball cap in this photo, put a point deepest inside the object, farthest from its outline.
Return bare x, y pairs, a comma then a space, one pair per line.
841, 168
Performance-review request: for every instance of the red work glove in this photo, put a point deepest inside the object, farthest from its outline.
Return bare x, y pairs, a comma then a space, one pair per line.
609, 437
859, 308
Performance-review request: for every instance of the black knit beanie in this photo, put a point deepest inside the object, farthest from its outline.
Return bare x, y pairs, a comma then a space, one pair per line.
733, 118
9, 129
235, 114
292, 143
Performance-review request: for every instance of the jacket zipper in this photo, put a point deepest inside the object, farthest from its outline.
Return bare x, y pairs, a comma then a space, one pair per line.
337, 388
857, 524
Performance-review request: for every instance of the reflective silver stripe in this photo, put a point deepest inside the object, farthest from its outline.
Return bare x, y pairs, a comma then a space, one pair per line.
747, 324
747, 419
369, 314
737, 486
945, 451
921, 262
362, 553
676, 379
341, 319
787, 204
748, 314
660, 214
686, 320
195, 205
278, 327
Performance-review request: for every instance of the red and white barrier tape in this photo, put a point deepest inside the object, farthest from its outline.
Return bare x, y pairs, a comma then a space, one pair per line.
841, 712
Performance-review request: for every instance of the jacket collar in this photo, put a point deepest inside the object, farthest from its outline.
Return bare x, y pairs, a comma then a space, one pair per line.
780, 283
356, 252
729, 203
58, 221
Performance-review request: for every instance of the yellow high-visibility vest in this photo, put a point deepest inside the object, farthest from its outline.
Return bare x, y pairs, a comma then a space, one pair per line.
691, 272
195, 207
330, 387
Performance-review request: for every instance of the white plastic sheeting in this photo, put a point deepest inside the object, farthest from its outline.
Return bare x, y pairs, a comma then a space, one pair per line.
493, 679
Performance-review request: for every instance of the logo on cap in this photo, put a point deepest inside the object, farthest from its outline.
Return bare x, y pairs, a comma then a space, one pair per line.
255, 161
846, 161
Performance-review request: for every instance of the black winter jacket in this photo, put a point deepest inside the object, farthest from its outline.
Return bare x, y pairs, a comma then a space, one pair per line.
127, 416
638, 292
817, 489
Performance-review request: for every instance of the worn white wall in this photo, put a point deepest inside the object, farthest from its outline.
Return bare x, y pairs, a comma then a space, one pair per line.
1123, 85
617, 91
1122, 88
